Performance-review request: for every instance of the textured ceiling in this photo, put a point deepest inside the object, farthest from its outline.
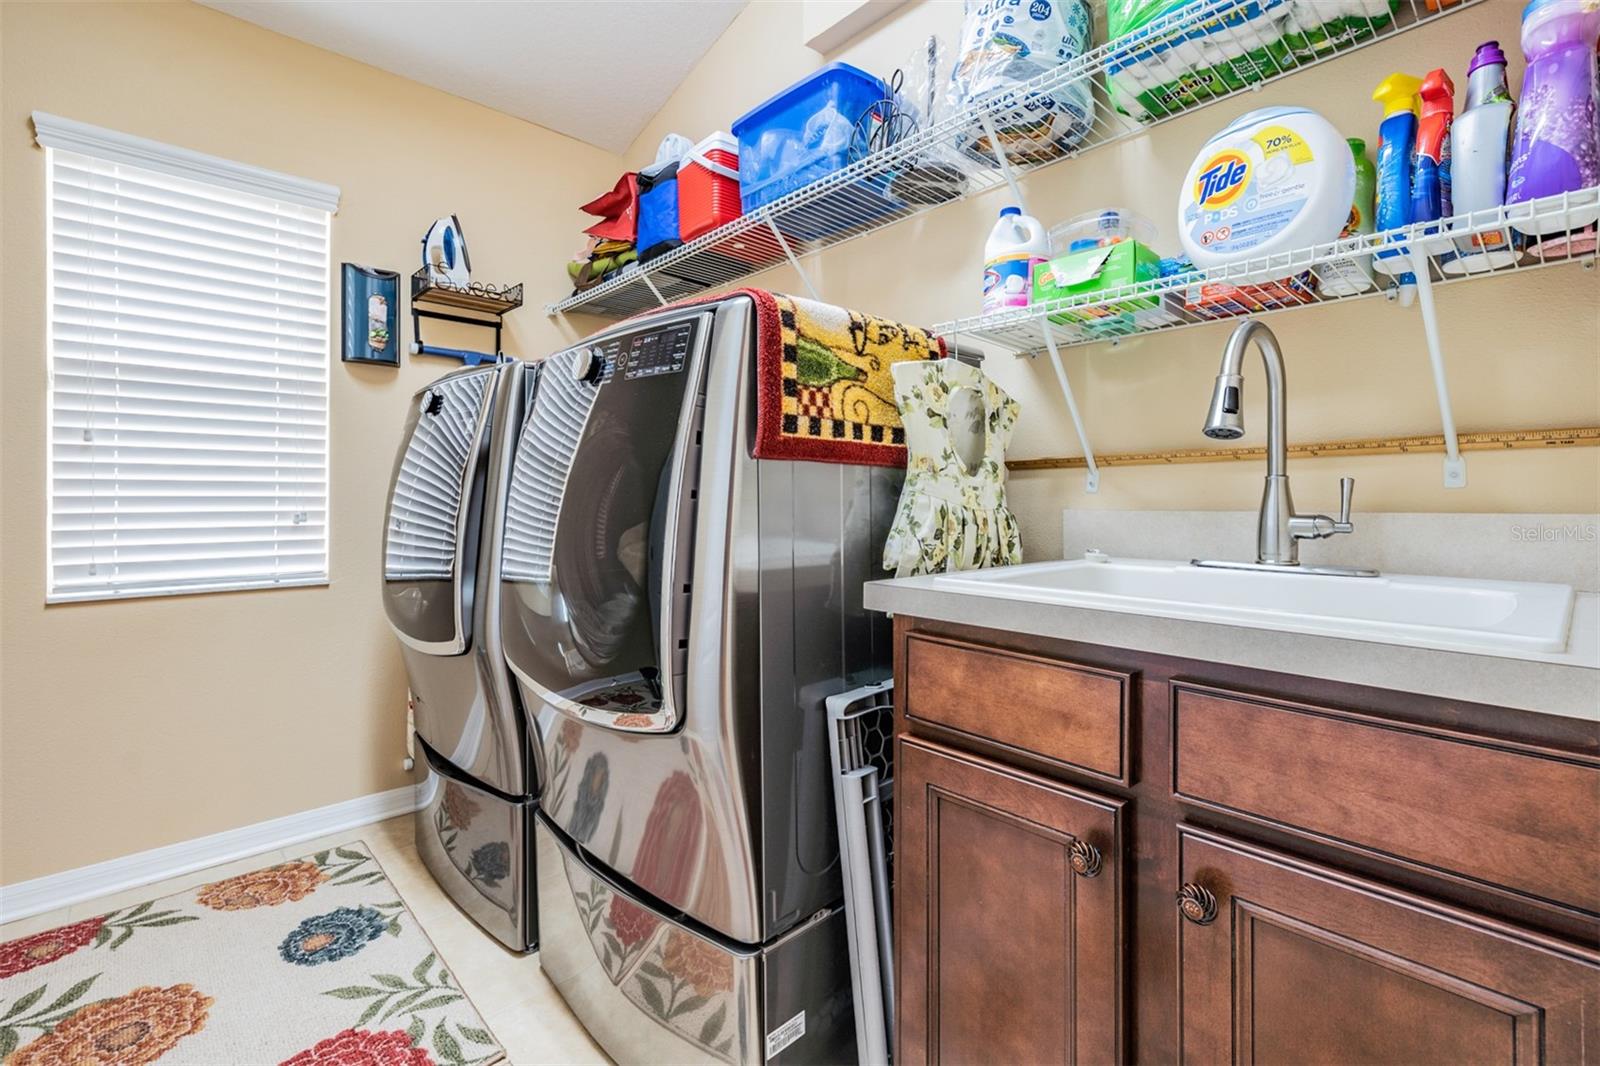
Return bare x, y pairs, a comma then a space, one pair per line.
597, 70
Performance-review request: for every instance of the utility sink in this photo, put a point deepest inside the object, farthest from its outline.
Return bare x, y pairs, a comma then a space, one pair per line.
1453, 614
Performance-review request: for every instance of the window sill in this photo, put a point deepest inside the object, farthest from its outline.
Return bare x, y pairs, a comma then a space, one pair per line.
110, 595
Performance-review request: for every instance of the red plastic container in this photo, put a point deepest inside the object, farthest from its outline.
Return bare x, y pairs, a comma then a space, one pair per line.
708, 186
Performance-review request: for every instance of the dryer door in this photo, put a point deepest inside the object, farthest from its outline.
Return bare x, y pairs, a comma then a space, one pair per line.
430, 541
595, 566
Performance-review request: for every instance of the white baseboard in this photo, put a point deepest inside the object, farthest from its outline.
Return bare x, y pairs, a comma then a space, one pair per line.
174, 860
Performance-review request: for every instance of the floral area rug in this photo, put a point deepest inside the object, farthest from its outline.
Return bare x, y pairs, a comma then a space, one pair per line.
311, 962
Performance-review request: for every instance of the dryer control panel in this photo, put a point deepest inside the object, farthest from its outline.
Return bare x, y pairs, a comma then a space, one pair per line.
660, 351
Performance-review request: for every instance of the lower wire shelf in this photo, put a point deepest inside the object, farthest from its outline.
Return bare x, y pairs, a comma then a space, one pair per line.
1545, 232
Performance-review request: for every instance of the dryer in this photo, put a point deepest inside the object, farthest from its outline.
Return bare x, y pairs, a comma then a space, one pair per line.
441, 551
675, 612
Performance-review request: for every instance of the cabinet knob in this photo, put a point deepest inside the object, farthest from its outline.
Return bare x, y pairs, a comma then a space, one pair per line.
1197, 904
1085, 858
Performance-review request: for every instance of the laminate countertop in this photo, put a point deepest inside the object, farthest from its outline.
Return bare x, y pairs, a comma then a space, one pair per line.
1566, 684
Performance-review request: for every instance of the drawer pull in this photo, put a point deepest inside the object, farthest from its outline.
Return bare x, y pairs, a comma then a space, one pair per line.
1085, 858
1197, 904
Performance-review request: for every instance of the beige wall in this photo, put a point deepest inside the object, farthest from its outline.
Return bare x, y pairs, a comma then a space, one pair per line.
1523, 351
130, 725
126, 726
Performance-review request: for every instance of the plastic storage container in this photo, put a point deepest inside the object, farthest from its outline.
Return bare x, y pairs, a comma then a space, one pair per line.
805, 133
658, 213
1096, 229
1273, 180
708, 186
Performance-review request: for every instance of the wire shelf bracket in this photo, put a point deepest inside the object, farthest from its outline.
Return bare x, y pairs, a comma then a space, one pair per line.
1091, 482
805, 279
1455, 464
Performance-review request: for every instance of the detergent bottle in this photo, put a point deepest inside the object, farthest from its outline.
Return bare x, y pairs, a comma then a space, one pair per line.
1397, 139
1348, 276
1558, 128
1015, 244
1480, 146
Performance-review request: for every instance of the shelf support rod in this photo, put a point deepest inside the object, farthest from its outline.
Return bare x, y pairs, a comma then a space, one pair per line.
1005, 164
644, 276
1091, 481
1455, 465
805, 279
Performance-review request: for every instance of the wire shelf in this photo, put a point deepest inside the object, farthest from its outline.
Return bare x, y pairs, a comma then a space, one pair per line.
1326, 273
955, 157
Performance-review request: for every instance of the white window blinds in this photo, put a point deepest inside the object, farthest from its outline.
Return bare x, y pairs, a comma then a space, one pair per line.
188, 347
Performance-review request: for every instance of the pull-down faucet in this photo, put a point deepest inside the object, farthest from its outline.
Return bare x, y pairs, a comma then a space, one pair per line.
1279, 530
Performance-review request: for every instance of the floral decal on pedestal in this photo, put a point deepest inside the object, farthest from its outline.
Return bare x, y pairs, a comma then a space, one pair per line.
591, 801
687, 985
459, 808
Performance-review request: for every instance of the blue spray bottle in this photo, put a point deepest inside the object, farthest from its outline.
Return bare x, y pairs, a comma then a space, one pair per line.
1397, 140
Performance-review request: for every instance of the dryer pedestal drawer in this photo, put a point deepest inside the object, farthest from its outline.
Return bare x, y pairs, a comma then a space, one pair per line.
478, 846
652, 986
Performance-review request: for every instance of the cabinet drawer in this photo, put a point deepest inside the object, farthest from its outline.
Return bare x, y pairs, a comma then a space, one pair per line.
1493, 812
1073, 715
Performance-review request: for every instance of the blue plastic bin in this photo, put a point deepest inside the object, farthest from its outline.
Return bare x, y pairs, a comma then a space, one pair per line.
658, 213
805, 133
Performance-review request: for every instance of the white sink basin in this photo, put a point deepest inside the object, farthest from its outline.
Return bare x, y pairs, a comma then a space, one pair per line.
1453, 614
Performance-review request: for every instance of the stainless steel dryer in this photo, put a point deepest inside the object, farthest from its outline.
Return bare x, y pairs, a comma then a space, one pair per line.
441, 546
675, 612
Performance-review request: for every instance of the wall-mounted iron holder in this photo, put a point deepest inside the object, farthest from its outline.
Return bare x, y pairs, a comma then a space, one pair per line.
436, 300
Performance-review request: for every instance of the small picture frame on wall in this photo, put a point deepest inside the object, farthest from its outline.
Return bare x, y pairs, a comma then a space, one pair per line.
371, 315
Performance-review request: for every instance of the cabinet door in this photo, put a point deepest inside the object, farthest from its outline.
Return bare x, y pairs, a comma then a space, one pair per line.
1007, 914
1286, 961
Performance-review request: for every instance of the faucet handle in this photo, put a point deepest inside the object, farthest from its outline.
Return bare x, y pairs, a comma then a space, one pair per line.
1347, 489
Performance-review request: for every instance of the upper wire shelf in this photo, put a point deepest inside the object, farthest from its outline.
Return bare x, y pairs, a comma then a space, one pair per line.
954, 158
1326, 273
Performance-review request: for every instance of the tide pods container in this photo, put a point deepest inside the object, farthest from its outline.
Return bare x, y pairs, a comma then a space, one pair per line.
1273, 180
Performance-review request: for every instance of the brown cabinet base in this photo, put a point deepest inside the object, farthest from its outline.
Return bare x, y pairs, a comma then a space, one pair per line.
1371, 876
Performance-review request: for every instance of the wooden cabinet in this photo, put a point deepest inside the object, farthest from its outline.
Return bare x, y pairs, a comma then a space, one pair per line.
1286, 870
1008, 930
1289, 961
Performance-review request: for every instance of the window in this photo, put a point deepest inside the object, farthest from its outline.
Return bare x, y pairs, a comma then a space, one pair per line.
188, 344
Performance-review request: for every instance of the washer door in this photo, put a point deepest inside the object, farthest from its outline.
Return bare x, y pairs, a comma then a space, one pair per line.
430, 539
595, 565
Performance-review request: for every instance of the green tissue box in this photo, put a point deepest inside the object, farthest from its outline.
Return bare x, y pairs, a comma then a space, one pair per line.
1097, 270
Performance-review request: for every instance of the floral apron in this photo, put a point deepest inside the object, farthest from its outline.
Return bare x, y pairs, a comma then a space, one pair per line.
952, 513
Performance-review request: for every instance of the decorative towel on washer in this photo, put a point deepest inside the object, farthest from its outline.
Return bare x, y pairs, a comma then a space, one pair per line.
952, 513
824, 391
823, 385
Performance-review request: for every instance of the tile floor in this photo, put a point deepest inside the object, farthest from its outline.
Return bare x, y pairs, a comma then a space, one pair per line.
522, 1008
